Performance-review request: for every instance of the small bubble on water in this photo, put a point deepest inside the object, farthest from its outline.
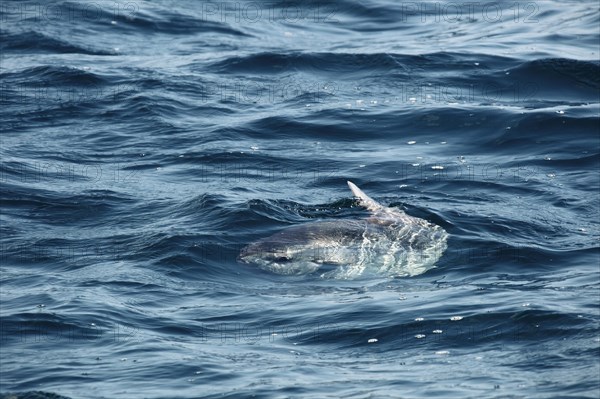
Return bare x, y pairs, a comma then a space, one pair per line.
419, 319
437, 331
420, 336
456, 318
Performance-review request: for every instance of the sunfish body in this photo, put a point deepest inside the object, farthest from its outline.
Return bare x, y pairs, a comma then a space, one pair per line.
389, 242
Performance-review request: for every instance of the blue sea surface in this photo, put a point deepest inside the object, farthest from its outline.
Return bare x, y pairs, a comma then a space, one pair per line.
145, 143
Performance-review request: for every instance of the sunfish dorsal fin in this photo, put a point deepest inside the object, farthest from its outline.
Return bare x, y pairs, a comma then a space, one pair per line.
381, 214
365, 200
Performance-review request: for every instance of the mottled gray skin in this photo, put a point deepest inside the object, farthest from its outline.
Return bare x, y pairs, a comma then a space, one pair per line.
389, 242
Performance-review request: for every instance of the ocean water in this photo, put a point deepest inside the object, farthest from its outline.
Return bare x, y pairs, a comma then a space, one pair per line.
145, 143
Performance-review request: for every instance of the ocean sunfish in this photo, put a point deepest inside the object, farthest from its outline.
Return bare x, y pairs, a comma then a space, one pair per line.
388, 242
